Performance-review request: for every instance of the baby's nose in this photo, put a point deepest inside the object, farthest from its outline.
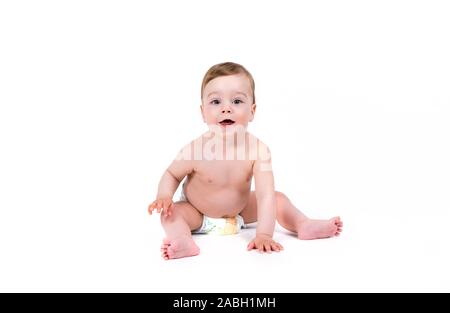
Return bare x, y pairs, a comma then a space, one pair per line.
226, 110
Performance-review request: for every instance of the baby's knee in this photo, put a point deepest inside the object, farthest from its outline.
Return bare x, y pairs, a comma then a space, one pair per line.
175, 213
281, 198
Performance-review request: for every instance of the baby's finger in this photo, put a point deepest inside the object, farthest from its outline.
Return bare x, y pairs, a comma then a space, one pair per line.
275, 247
166, 209
169, 209
267, 247
159, 206
251, 246
151, 207
260, 248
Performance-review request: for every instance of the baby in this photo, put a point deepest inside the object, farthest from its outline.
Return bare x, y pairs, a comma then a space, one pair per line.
219, 167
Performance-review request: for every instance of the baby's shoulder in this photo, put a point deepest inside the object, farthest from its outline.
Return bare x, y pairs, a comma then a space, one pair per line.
256, 144
188, 151
262, 145
259, 151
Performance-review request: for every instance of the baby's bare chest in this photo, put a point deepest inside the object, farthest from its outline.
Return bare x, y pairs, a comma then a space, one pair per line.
223, 173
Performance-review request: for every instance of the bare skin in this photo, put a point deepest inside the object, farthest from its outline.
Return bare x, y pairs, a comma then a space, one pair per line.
294, 220
220, 186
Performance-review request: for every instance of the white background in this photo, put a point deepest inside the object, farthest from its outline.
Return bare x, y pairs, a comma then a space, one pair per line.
97, 97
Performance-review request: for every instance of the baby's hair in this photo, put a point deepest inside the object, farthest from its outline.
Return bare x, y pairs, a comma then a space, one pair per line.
225, 69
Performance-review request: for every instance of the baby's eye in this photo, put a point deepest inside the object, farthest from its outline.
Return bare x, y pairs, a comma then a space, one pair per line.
215, 101
237, 101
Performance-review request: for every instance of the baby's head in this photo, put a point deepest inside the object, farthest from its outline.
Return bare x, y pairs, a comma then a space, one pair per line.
228, 96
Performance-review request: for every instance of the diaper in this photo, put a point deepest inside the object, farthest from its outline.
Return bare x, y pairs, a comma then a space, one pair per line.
221, 226
218, 226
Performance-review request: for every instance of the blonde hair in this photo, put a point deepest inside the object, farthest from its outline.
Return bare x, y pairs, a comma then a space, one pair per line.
225, 69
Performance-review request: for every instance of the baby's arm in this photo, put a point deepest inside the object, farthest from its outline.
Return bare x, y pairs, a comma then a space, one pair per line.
266, 205
168, 184
265, 198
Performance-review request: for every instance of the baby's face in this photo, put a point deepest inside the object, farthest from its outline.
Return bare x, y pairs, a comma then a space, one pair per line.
227, 103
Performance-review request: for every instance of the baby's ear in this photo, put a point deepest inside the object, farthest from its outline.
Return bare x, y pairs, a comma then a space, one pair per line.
253, 110
203, 114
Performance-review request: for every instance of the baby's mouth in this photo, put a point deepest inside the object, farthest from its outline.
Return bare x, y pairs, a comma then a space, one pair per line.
226, 122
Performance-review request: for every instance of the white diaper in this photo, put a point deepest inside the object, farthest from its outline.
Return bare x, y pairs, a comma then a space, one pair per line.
218, 226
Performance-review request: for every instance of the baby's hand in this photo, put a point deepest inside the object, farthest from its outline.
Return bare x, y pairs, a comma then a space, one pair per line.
264, 243
164, 205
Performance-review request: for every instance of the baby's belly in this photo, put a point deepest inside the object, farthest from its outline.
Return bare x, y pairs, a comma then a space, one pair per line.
218, 203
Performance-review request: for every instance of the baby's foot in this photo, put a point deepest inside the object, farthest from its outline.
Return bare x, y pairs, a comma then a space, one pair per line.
179, 248
315, 229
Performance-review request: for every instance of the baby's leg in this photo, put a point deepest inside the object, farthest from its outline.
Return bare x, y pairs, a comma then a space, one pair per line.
178, 227
292, 219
